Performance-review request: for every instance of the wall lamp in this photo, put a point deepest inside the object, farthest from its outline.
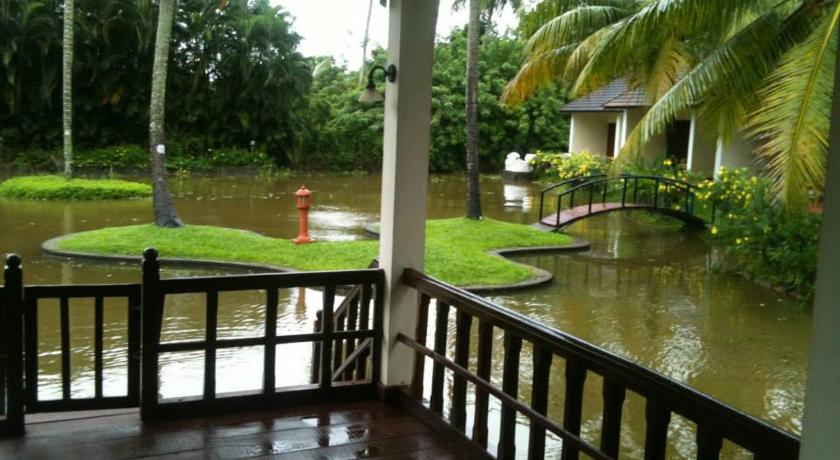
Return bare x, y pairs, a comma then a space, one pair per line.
370, 94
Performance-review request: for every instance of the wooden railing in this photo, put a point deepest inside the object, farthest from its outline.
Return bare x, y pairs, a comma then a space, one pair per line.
332, 383
663, 397
348, 342
33, 297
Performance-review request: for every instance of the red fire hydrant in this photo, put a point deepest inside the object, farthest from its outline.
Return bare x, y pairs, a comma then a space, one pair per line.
303, 200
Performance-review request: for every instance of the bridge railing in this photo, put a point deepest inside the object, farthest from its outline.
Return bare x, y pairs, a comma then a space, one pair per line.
625, 191
563, 186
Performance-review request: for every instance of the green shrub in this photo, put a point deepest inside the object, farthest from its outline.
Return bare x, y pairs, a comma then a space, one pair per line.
760, 238
569, 165
188, 155
59, 188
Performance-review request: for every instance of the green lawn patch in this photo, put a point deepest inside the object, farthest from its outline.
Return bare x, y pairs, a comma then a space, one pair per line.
456, 249
59, 188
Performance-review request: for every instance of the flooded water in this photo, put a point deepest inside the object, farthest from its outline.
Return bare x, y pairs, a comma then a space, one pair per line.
642, 291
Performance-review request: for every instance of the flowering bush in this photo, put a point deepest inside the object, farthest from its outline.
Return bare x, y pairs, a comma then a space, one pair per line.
760, 239
570, 165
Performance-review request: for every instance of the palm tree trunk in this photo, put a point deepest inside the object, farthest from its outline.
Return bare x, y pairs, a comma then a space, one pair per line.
365, 44
165, 215
67, 87
473, 193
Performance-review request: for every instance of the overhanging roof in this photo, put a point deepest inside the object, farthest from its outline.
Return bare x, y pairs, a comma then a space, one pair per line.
615, 95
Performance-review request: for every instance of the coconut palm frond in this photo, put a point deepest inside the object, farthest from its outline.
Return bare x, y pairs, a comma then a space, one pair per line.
727, 73
573, 26
539, 71
791, 125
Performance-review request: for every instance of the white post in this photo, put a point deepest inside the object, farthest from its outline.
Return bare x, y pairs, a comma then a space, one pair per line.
571, 132
692, 135
718, 155
405, 171
821, 424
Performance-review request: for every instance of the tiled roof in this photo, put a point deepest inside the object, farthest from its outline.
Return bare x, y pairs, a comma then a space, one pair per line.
614, 95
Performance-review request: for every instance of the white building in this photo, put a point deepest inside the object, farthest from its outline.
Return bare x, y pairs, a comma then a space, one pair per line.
602, 121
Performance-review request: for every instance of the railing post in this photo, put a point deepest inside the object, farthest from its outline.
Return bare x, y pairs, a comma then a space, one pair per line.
12, 347
542, 199
591, 192
656, 193
559, 207
510, 385
635, 190
315, 373
604, 194
151, 312
420, 336
623, 191
573, 404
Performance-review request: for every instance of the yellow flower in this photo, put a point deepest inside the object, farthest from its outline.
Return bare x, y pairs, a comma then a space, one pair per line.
667, 162
738, 241
714, 230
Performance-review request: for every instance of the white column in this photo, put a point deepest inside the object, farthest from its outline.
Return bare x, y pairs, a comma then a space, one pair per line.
621, 133
821, 425
718, 155
405, 171
692, 133
571, 133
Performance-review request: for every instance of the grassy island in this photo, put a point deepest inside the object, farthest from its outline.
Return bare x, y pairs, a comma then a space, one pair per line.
456, 250
59, 188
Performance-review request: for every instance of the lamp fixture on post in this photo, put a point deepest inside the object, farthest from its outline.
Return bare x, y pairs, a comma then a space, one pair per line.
370, 94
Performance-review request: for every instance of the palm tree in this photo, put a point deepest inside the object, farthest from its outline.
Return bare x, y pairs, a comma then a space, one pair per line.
473, 37
362, 75
474, 32
165, 215
67, 87
760, 65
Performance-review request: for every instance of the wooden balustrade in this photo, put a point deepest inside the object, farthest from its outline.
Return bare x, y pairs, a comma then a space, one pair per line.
348, 342
664, 397
333, 364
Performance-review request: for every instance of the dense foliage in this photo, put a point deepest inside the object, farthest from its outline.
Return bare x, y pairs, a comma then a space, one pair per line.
235, 75
759, 238
188, 156
59, 188
350, 136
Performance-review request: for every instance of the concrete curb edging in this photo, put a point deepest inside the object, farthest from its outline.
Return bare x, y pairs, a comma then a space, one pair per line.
541, 277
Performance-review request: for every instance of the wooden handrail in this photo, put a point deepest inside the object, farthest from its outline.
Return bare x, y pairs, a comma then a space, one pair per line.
715, 420
535, 416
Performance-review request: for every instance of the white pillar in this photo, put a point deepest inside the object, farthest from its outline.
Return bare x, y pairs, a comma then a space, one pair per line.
692, 134
571, 133
718, 155
620, 131
821, 425
405, 171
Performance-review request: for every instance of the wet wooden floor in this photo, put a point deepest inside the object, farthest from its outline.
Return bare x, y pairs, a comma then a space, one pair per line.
369, 429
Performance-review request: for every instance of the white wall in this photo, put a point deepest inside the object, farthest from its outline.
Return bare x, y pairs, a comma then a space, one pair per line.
590, 131
738, 153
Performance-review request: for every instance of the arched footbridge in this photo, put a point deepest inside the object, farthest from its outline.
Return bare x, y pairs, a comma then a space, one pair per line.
581, 197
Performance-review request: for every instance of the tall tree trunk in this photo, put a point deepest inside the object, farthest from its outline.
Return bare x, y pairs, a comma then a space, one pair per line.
473, 192
165, 215
365, 44
67, 87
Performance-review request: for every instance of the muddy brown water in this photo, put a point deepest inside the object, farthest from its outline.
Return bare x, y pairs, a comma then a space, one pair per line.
642, 291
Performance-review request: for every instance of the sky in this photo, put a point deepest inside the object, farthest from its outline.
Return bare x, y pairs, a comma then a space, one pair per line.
337, 27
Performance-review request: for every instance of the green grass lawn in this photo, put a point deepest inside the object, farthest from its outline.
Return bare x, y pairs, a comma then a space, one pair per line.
456, 249
59, 188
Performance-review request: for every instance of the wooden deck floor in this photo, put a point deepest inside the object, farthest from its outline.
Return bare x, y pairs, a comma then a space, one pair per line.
369, 429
